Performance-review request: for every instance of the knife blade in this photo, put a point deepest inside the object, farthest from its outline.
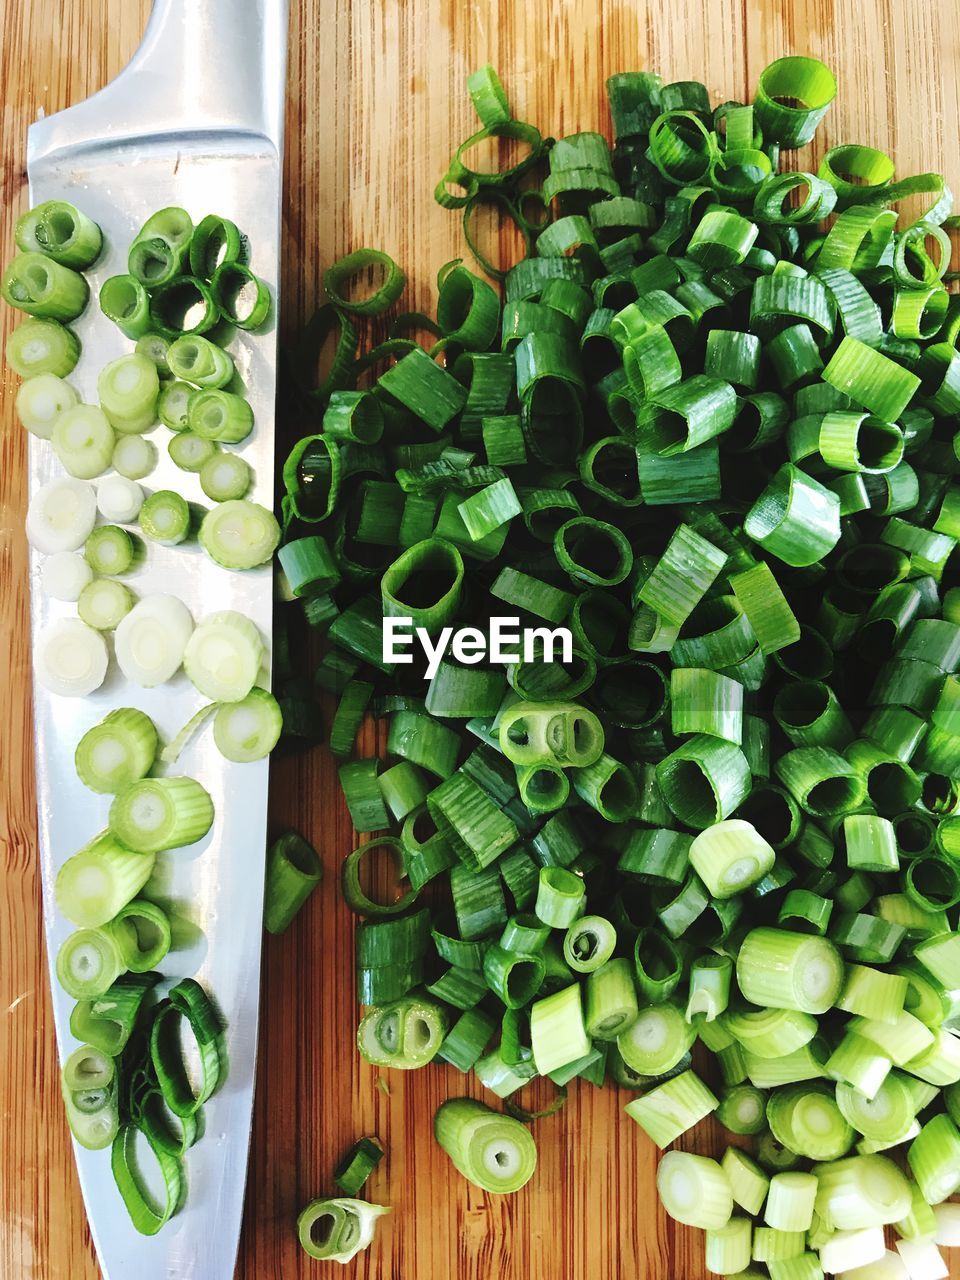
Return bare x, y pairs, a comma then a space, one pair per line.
196, 120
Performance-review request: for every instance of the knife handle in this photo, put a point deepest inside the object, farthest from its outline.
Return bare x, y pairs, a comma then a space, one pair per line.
203, 67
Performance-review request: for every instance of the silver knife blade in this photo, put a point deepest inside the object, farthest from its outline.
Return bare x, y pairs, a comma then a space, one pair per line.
196, 119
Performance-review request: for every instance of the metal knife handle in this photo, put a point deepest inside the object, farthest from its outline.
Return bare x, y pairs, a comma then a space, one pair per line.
203, 66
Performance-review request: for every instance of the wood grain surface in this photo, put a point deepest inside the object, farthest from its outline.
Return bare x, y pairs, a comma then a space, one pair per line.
376, 106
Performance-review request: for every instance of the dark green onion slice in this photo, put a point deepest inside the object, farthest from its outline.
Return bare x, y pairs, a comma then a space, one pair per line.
243, 298
362, 260
357, 1164
187, 1002
147, 1214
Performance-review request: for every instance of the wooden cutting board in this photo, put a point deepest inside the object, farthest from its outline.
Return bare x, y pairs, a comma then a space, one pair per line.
376, 106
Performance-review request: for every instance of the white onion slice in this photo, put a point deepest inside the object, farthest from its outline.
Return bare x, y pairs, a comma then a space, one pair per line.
923, 1260
61, 515
64, 575
70, 658
847, 1250
119, 499
889, 1267
948, 1225
151, 639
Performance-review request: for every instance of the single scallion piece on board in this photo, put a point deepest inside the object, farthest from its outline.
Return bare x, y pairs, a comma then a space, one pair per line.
494, 1151
357, 1165
339, 1228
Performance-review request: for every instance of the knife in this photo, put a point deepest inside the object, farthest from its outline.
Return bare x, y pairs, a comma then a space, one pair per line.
196, 120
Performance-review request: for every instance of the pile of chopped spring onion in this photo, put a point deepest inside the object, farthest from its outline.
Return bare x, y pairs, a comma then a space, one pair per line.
129, 1076
127, 1083
711, 429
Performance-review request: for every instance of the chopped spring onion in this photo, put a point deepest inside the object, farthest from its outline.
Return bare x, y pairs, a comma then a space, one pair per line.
182, 305
88, 1082
70, 658
947, 1217
357, 1165
406, 1033
694, 1190
134, 457
338, 1229
153, 814
185, 1089
107, 1022
657, 1040
730, 856
225, 476
64, 575
61, 515
109, 550
293, 872
934, 1159
190, 452
155, 347
557, 1033
119, 499
589, 943
922, 1259
37, 347
845, 1250
860, 1192
159, 250
214, 241
748, 1183
885, 1116
41, 402
790, 1201
128, 390
223, 655
90, 960
146, 1213
493, 1151
249, 728
151, 640
102, 877
199, 361
83, 440
789, 395
239, 534
611, 1000
173, 404
243, 298
165, 518
219, 415
41, 287
150, 937
782, 970
742, 1109
125, 301
104, 604
172, 1134
805, 1119
672, 1108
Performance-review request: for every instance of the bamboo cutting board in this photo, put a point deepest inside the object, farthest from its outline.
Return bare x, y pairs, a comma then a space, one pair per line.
376, 106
